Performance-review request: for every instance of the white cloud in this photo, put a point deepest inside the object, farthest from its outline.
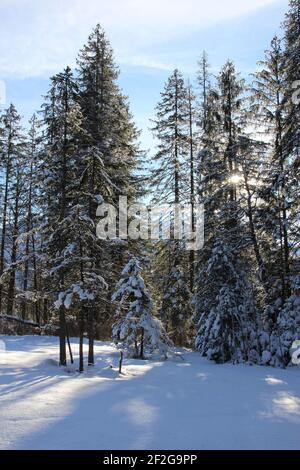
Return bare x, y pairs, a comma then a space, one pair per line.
38, 37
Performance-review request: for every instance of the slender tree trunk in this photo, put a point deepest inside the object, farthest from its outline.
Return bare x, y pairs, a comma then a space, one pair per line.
27, 246
81, 326
91, 312
177, 219
62, 336
142, 344
63, 205
192, 188
176, 153
81, 316
45, 310
259, 260
91, 328
121, 362
282, 261
35, 282
69, 344
285, 243
12, 277
283, 219
230, 147
25, 281
4, 219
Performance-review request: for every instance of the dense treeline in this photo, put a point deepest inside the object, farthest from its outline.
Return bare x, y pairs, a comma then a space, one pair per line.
228, 143
233, 145
81, 149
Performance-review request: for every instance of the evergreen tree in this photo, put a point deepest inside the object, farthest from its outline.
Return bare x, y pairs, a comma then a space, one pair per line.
109, 146
171, 130
12, 146
291, 65
16, 203
139, 331
205, 86
291, 139
268, 99
287, 331
31, 275
62, 120
172, 181
192, 138
223, 300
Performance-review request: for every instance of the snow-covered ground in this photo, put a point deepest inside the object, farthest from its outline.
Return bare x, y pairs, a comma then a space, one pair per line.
178, 404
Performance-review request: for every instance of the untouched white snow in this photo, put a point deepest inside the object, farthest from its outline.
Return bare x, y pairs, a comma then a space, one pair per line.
178, 404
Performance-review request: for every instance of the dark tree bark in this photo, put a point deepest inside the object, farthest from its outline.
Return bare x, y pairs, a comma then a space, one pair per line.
63, 205
192, 186
13, 257
259, 260
142, 344
4, 217
91, 333
121, 362
81, 326
69, 344
27, 246
62, 336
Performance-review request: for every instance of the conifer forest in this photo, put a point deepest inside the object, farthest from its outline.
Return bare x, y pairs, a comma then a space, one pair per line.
97, 295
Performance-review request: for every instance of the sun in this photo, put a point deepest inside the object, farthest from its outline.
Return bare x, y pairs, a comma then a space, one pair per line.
235, 178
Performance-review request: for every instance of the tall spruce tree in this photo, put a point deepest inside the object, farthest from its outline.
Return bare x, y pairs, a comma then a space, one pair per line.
291, 139
171, 130
31, 267
172, 181
223, 300
109, 145
12, 142
61, 119
268, 99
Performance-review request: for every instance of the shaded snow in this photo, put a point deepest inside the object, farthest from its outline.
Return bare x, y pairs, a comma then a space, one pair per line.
178, 404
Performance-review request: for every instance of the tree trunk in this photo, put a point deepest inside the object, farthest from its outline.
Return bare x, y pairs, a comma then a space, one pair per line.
45, 310
4, 219
27, 246
91, 334
35, 282
81, 364
283, 219
63, 204
192, 189
259, 260
12, 277
121, 362
62, 336
69, 344
177, 221
142, 344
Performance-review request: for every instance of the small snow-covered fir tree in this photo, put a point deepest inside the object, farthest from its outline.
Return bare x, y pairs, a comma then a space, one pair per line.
136, 327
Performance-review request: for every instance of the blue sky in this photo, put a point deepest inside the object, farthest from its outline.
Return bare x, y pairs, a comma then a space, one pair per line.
150, 39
